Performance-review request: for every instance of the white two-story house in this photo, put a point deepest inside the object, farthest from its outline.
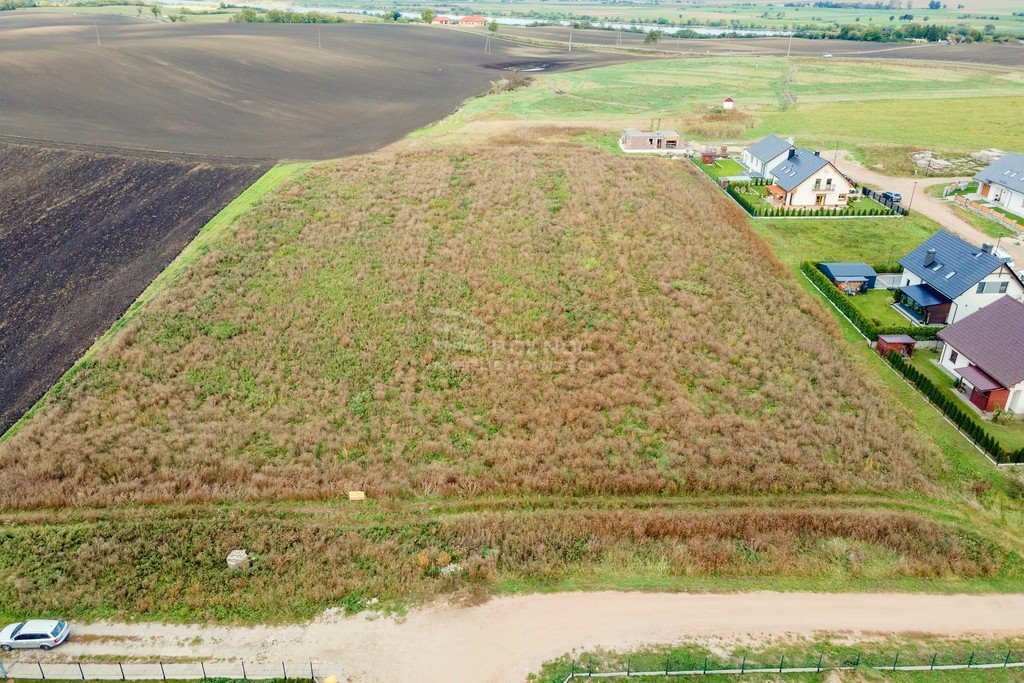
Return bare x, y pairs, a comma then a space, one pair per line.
945, 279
764, 155
806, 180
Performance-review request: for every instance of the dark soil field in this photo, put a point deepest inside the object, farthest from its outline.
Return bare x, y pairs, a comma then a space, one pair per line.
82, 234
982, 53
246, 90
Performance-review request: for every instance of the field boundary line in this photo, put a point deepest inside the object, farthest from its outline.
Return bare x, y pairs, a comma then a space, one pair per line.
214, 228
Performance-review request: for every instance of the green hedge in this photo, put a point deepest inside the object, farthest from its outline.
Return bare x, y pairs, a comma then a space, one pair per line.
965, 419
861, 321
706, 169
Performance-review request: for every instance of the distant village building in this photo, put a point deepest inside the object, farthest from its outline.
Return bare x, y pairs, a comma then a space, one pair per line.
1002, 183
727, 103
442, 20
473, 20
634, 140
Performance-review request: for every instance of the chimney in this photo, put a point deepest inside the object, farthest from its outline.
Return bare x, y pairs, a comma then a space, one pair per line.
792, 153
818, 153
929, 258
987, 248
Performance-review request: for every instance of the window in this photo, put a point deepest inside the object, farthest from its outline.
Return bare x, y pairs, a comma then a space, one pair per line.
828, 184
953, 355
993, 287
817, 184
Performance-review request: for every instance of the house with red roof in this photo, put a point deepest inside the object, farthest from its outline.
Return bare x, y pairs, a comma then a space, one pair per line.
473, 20
728, 103
984, 354
442, 20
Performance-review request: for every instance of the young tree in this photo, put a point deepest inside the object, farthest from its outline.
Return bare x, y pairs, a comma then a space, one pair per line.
493, 26
652, 37
155, 9
427, 15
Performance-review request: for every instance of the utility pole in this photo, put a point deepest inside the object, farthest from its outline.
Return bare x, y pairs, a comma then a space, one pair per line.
97, 27
618, 38
570, 39
318, 43
912, 193
790, 48
487, 45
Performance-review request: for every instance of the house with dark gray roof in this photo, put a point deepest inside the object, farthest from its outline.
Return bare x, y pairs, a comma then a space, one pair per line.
805, 179
946, 279
984, 354
764, 155
1002, 183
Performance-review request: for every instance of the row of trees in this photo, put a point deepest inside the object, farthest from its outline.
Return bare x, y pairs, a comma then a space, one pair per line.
963, 418
249, 15
930, 32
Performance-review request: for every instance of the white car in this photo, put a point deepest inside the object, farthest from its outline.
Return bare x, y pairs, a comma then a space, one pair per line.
34, 633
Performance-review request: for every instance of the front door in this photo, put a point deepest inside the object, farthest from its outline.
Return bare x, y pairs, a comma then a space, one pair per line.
820, 200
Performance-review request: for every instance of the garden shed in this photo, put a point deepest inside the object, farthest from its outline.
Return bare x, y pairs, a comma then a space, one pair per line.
902, 344
851, 278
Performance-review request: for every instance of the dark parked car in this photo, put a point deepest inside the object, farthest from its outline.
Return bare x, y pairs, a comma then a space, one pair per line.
894, 197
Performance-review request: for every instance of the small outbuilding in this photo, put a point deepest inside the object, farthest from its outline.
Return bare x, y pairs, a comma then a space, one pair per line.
442, 20
728, 103
851, 278
902, 344
634, 140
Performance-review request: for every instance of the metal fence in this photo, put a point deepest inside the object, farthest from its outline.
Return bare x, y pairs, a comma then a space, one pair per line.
162, 671
884, 201
813, 663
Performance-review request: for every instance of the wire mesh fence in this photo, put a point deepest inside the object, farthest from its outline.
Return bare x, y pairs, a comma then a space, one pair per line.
693, 664
163, 671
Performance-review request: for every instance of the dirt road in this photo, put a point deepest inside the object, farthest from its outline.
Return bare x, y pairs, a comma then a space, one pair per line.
936, 209
507, 638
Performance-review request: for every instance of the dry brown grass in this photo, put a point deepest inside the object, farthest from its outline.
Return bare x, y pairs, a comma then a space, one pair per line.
551, 320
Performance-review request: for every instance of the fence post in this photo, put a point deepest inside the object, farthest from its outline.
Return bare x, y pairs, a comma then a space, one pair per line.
970, 661
121, 667
42, 674
163, 674
857, 665
933, 659
705, 664
80, 672
821, 655
781, 663
743, 665
284, 672
668, 661
894, 661
202, 665
312, 676
1006, 662
244, 676
629, 668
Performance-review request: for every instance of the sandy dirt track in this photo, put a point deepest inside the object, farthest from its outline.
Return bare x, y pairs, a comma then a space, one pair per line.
936, 209
507, 638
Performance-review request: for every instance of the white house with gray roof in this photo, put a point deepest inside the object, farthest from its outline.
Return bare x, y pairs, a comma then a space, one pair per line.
805, 179
946, 279
1002, 182
764, 155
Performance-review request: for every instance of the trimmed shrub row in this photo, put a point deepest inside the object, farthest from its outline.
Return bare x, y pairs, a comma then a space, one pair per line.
965, 421
760, 211
861, 321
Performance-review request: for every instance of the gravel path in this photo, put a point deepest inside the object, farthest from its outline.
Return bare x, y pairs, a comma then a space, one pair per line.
936, 209
507, 638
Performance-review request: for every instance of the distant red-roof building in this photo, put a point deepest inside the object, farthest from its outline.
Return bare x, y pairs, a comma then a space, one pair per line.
473, 20
727, 103
443, 20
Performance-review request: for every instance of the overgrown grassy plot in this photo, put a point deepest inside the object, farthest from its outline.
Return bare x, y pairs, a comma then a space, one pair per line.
551, 322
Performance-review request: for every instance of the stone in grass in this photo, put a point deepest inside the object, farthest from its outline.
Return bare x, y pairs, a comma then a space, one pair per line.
357, 495
238, 560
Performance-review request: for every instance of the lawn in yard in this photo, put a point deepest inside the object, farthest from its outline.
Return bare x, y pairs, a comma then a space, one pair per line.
1011, 436
871, 240
724, 168
876, 304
